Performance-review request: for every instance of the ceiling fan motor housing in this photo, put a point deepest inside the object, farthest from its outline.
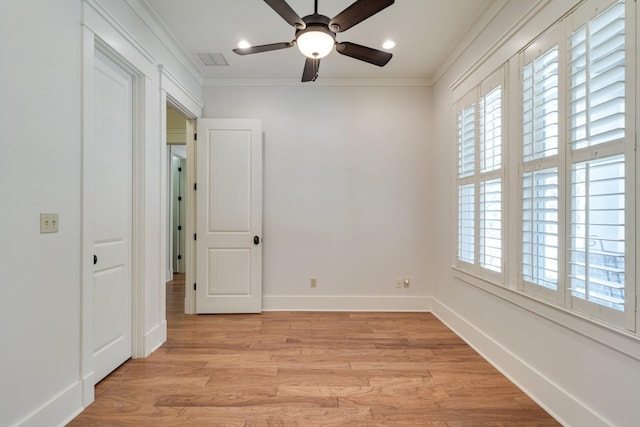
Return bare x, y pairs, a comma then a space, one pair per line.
315, 23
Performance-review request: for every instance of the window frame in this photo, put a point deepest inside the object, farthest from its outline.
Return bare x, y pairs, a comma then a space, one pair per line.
474, 97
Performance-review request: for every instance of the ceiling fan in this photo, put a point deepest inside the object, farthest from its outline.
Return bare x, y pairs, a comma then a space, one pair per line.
316, 35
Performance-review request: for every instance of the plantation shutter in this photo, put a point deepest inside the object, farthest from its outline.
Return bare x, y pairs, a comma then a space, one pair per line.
597, 139
491, 179
466, 189
540, 266
597, 80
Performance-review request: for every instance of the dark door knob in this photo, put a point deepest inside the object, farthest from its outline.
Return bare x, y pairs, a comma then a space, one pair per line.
256, 240
95, 259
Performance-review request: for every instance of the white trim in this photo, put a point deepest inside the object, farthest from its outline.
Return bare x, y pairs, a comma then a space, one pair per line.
138, 217
558, 402
322, 82
484, 20
620, 340
347, 303
541, 14
173, 99
166, 193
58, 411
189, 103
102, 23
155, 338
160, 29
191, 208
86, 310
88, 389
506, 37
91, 43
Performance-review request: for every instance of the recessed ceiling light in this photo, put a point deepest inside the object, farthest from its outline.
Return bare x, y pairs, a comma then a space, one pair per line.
389, 44
243, 44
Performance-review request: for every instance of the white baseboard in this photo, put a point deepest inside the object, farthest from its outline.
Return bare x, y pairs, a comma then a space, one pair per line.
558, 402
58, 411
155, 338
168, 275
88, 389
345, 303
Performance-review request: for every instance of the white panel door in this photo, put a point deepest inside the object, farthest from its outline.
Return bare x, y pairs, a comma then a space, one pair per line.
112, 211
229, 216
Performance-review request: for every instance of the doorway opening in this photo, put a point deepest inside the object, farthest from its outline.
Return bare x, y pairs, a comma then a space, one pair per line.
180, 211
176, 192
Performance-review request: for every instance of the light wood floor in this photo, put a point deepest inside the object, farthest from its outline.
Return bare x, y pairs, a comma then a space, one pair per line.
308, 369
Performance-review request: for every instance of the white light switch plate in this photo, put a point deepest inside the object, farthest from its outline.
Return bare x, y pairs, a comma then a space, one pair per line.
49, 223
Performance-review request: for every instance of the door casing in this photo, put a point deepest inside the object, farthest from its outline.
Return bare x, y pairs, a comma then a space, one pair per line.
92, 43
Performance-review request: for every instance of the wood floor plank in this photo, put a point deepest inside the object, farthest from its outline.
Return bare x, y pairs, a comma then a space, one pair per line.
308, 369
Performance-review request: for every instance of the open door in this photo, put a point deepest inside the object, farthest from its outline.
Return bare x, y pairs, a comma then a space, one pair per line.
229, 216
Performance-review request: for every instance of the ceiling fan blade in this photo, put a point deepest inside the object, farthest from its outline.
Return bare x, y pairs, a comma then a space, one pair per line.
283, 9
262, 48
363, 53
311, 68
356, 13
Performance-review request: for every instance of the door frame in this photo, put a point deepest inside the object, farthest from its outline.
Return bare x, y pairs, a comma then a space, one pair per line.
189, 196
91, 44
152, 83
191, 211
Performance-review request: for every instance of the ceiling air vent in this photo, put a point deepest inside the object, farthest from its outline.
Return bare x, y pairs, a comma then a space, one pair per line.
209, 59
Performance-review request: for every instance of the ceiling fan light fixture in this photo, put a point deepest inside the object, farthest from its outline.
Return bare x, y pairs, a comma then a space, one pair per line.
315, 41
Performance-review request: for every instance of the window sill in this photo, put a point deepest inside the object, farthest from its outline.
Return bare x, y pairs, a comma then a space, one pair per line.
623, 341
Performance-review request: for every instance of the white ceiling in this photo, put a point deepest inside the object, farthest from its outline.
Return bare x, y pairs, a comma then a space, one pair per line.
427, 32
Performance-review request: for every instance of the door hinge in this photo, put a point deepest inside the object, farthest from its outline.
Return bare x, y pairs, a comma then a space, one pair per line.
195, 136
179, 198
179, 256
179, 227
179, 169
195, 186
195, 236
194, 286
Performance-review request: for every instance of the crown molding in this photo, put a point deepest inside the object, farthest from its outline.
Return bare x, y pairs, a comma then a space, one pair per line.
324, 82
158, 28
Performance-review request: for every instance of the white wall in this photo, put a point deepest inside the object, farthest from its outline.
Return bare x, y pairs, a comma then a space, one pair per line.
590, 377
40, 118
40, 122
345, 192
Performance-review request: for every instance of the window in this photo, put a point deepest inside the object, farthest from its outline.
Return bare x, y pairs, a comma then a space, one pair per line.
480, 133
596, 136
540, 161
562, 175
572, 165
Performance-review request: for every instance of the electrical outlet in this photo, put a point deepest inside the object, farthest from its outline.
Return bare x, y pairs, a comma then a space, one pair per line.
313, 282
406, 283
398, 283
49, 223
